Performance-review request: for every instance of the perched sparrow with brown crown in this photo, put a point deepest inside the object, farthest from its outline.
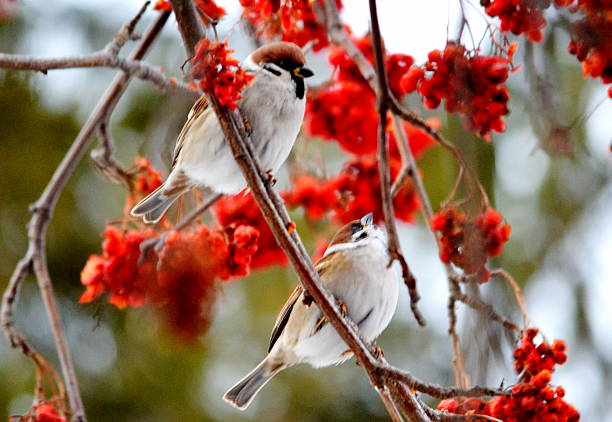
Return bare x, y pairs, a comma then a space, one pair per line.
354, 269
273, 105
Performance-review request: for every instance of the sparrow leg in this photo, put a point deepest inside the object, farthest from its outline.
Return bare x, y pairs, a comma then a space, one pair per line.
343, 309
323, 319
247, 125
271, 179
378, 352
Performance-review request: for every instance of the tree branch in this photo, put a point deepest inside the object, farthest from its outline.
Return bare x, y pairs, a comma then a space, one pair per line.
383, 165
42, 212
107, 57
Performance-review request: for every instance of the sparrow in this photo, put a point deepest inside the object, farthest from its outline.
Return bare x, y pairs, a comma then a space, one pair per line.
272, 107
354, 268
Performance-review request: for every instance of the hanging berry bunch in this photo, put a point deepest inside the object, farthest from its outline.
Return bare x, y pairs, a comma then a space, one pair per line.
470, 85
519, 16
295, 21
182, 281
533, 399
242, 209
469, 242
218, 72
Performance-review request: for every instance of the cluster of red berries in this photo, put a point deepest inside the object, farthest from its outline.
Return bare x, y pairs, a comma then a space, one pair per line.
291, 20
469, 242
42, 412
218, 72
208, 9
242, 209
533, 399
181, 282
471, 85
331, 112
519, 16
592, 45
145, 178
352, 193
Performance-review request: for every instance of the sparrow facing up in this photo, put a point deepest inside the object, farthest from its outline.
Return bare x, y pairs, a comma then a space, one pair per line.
354, 269
273, 105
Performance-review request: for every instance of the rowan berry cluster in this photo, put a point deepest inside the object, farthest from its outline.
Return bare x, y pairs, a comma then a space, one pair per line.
519, 16
290, 20
242, 209
181, 282
352, 193
41, 412
533, 399
218, 72
331, 112
145, 178
469, 242
470, 85
208, 9
592, 45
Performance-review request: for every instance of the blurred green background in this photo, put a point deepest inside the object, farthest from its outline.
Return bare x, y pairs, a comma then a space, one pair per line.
131, 370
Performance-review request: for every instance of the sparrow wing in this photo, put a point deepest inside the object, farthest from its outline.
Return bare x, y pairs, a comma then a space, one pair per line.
283, 316
199, 108
322, 267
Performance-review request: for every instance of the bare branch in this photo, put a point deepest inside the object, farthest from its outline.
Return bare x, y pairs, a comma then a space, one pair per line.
107, 57
383, 165
158, 242
104, 160
42, 211
518, 293
434, 390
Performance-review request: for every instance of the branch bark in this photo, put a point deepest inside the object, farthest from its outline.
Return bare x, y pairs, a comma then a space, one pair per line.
107, 57
42, 212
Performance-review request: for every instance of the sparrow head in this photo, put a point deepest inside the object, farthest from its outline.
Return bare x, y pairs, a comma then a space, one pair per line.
283, 60
357, 233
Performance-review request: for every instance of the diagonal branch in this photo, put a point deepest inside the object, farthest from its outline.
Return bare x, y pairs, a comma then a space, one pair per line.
42, 212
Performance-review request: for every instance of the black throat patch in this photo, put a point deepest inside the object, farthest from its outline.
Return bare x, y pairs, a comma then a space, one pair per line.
300, 88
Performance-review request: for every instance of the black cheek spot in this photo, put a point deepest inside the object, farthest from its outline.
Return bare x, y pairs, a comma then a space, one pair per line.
362, 236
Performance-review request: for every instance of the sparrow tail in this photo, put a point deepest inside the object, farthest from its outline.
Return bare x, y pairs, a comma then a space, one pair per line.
241, 394
153, 207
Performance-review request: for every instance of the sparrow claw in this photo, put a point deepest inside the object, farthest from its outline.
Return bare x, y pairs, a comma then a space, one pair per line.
343, 309
271, 179
378, 352
247, 125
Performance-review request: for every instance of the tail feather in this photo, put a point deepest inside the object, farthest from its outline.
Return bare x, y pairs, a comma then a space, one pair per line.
241, 394
153, 207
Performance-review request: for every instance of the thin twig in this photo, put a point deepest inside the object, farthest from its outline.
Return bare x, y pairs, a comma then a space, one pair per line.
383, 165
435, 390
518, 293
42, 211
105, 161
158, 242
107, 57
410, 405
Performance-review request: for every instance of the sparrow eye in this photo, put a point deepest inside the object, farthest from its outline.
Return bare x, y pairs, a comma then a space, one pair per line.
356, 227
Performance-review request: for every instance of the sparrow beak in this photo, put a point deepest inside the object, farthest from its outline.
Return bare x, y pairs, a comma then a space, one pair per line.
303, 72
367, 220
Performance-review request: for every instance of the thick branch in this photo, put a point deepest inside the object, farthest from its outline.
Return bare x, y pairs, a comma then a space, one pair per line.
42, 211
